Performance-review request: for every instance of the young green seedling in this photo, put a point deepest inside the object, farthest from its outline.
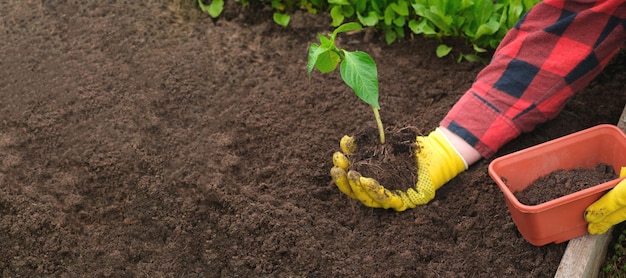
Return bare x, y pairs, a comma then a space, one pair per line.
358, 69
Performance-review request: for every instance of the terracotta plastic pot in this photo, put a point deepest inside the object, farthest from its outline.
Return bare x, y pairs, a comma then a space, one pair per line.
560, 219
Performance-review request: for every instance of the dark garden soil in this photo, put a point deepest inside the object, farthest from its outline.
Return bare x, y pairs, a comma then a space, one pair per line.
144, 139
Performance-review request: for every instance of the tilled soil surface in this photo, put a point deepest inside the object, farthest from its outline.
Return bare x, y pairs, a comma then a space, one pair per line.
144, 139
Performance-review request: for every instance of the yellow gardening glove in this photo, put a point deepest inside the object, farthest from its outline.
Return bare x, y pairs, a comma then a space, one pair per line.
609, 210
437, 163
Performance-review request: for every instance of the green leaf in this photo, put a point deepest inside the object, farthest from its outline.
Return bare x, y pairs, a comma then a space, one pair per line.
514, 14
389, 15
350, 26
370, 20
314, 52
361, 5
348, 11
324, 41
434, 16
422, 27
327, 61
466, 3
488, 28
443, 50
483, 9
358, 71
399, 31
400, 21
390, 36
214, 9
281, 19
322, 58
339, 2
418, 8
278, 5
441, 20
401, 8
312, 5
472, 58
337, 15
413, 25
376, 6
479, 49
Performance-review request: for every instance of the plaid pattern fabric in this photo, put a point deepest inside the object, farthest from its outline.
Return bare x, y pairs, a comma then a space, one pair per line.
555, 50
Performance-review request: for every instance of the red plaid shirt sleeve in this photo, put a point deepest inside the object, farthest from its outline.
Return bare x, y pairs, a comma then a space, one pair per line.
555, 50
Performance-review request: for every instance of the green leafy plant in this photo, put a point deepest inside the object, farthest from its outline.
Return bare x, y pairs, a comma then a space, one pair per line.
615, 264
214, 9
483, 23
357, 68
282, 8
390, 16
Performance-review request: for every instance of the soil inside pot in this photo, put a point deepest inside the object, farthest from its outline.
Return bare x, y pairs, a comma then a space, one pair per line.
564, 182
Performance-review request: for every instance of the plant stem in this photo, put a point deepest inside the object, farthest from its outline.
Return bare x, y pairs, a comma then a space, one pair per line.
379, 123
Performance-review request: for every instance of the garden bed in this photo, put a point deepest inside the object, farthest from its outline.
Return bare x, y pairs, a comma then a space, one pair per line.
146, 139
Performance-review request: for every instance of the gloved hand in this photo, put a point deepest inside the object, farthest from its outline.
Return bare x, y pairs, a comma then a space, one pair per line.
609, 210
437, 163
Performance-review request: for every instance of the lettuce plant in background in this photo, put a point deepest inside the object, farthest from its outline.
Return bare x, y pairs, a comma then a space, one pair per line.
480, 23
281, 8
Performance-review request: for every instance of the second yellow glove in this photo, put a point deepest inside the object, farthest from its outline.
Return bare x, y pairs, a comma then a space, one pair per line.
609, 210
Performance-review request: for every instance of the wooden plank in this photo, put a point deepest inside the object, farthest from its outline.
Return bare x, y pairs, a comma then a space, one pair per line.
584, 255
